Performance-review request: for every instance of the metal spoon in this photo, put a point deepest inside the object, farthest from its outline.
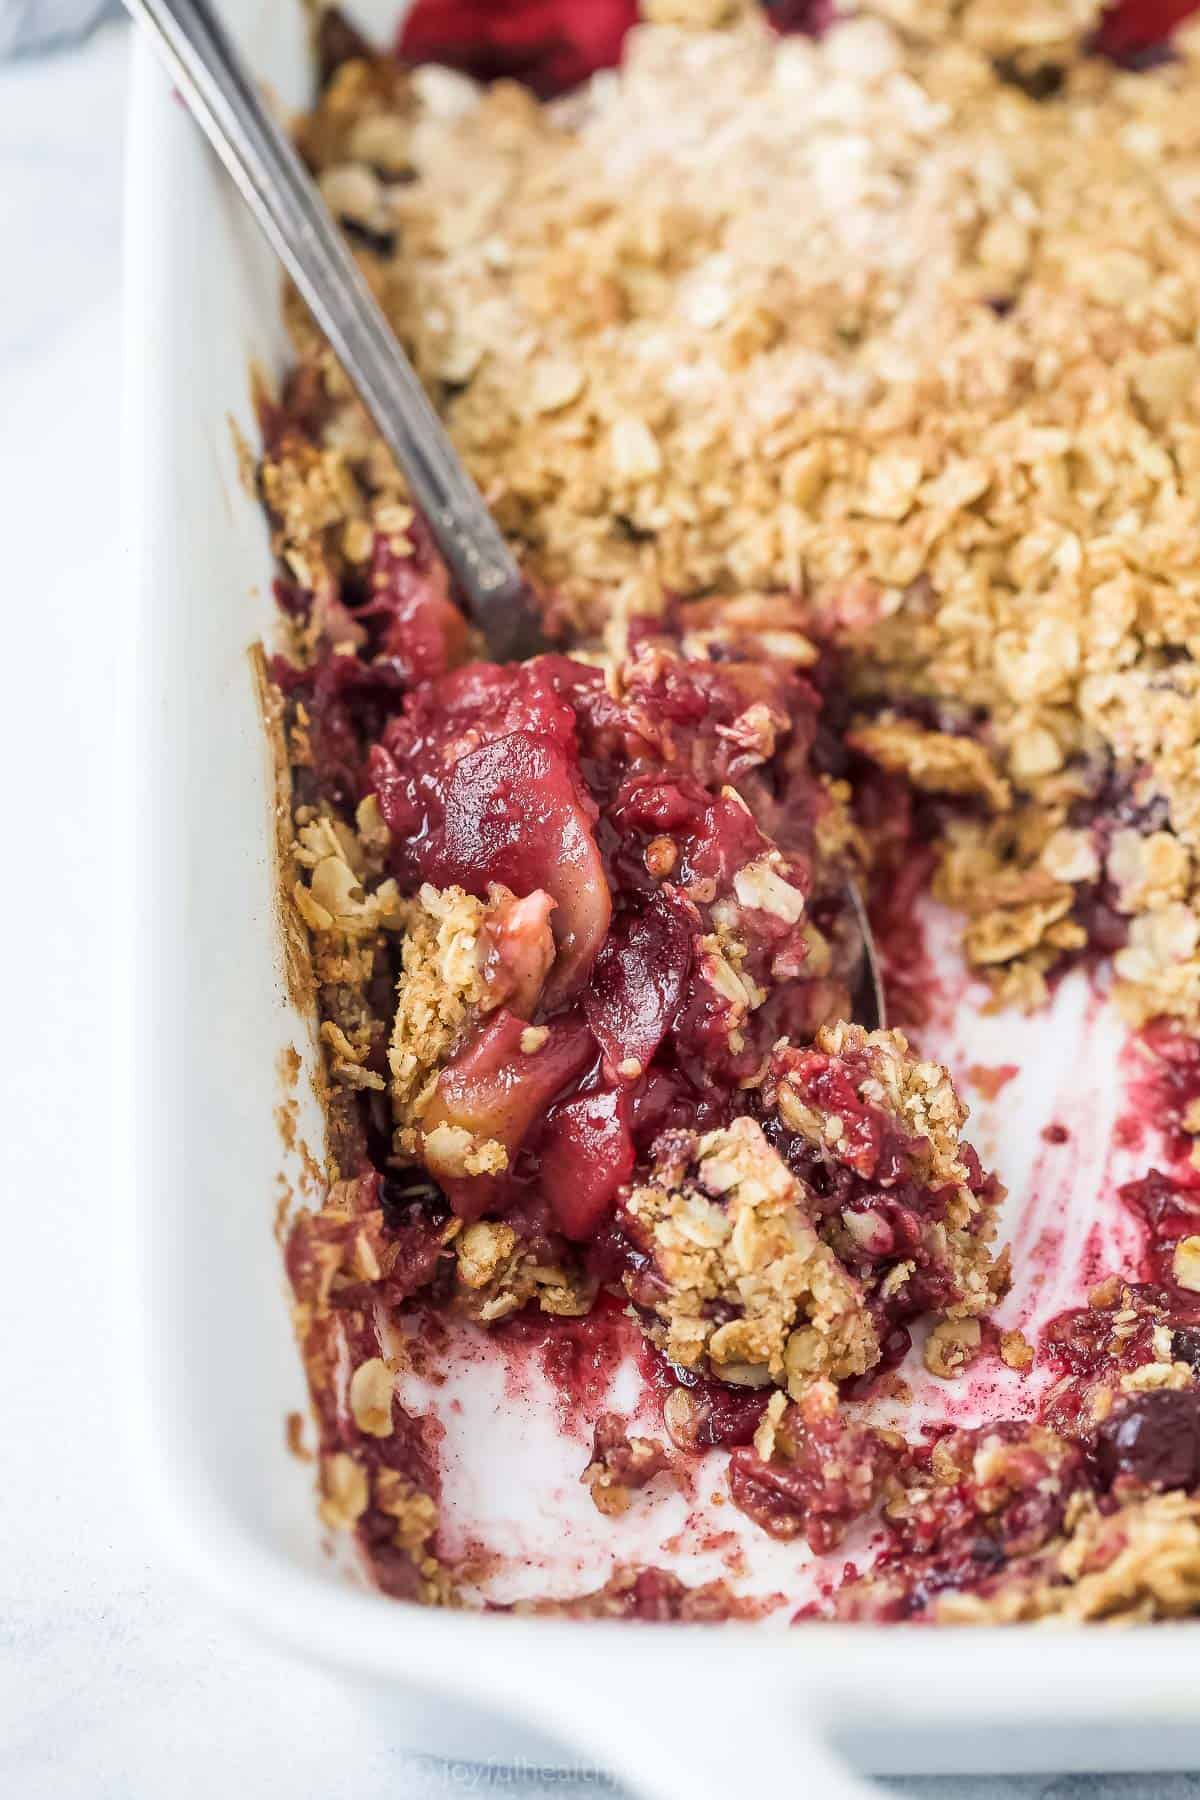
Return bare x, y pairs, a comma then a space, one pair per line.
868, 1002
224, 100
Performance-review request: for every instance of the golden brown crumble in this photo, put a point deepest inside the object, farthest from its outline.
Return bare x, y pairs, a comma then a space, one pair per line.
350, 910
371, 1394
345, 1489
413, 1511
337, 1258
295, 1425
620, 1465
1044, 30
442, 988
497, 1276
451, 975
1016, 1352
654, 1595
1012, 879
860, 318
920, 1094
922, 1098
952, 1345
1141, 1562
934, 760
726, 1225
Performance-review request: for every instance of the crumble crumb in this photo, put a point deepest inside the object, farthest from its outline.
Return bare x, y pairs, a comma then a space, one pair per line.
371, 1393
878, 1087
934, 760
952, 1345
346, 1491
483, 1250
760, 884
655, 1596
1016, 1352
729, 1233
620, 1465
450, 1151
441, 990
295, 1427
884, 1073
334, 897
498, 1274
453, 973
812, 1468
414, 1512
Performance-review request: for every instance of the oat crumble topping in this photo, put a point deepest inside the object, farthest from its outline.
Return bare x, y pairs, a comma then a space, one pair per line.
859, 318
727, 1228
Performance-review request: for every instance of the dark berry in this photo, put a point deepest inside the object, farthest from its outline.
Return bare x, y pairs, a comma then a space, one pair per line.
1153, 1439
1185, 1346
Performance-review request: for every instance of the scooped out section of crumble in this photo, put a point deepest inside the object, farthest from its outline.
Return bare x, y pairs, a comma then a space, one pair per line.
619, 896
799, 1244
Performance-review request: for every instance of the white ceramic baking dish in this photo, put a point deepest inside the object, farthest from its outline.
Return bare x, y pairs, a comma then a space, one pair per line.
680, 1710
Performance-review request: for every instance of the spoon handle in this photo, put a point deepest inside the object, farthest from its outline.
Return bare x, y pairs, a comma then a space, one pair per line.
283, 197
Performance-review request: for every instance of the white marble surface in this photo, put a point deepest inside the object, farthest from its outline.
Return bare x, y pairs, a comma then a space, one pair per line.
117, 1682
